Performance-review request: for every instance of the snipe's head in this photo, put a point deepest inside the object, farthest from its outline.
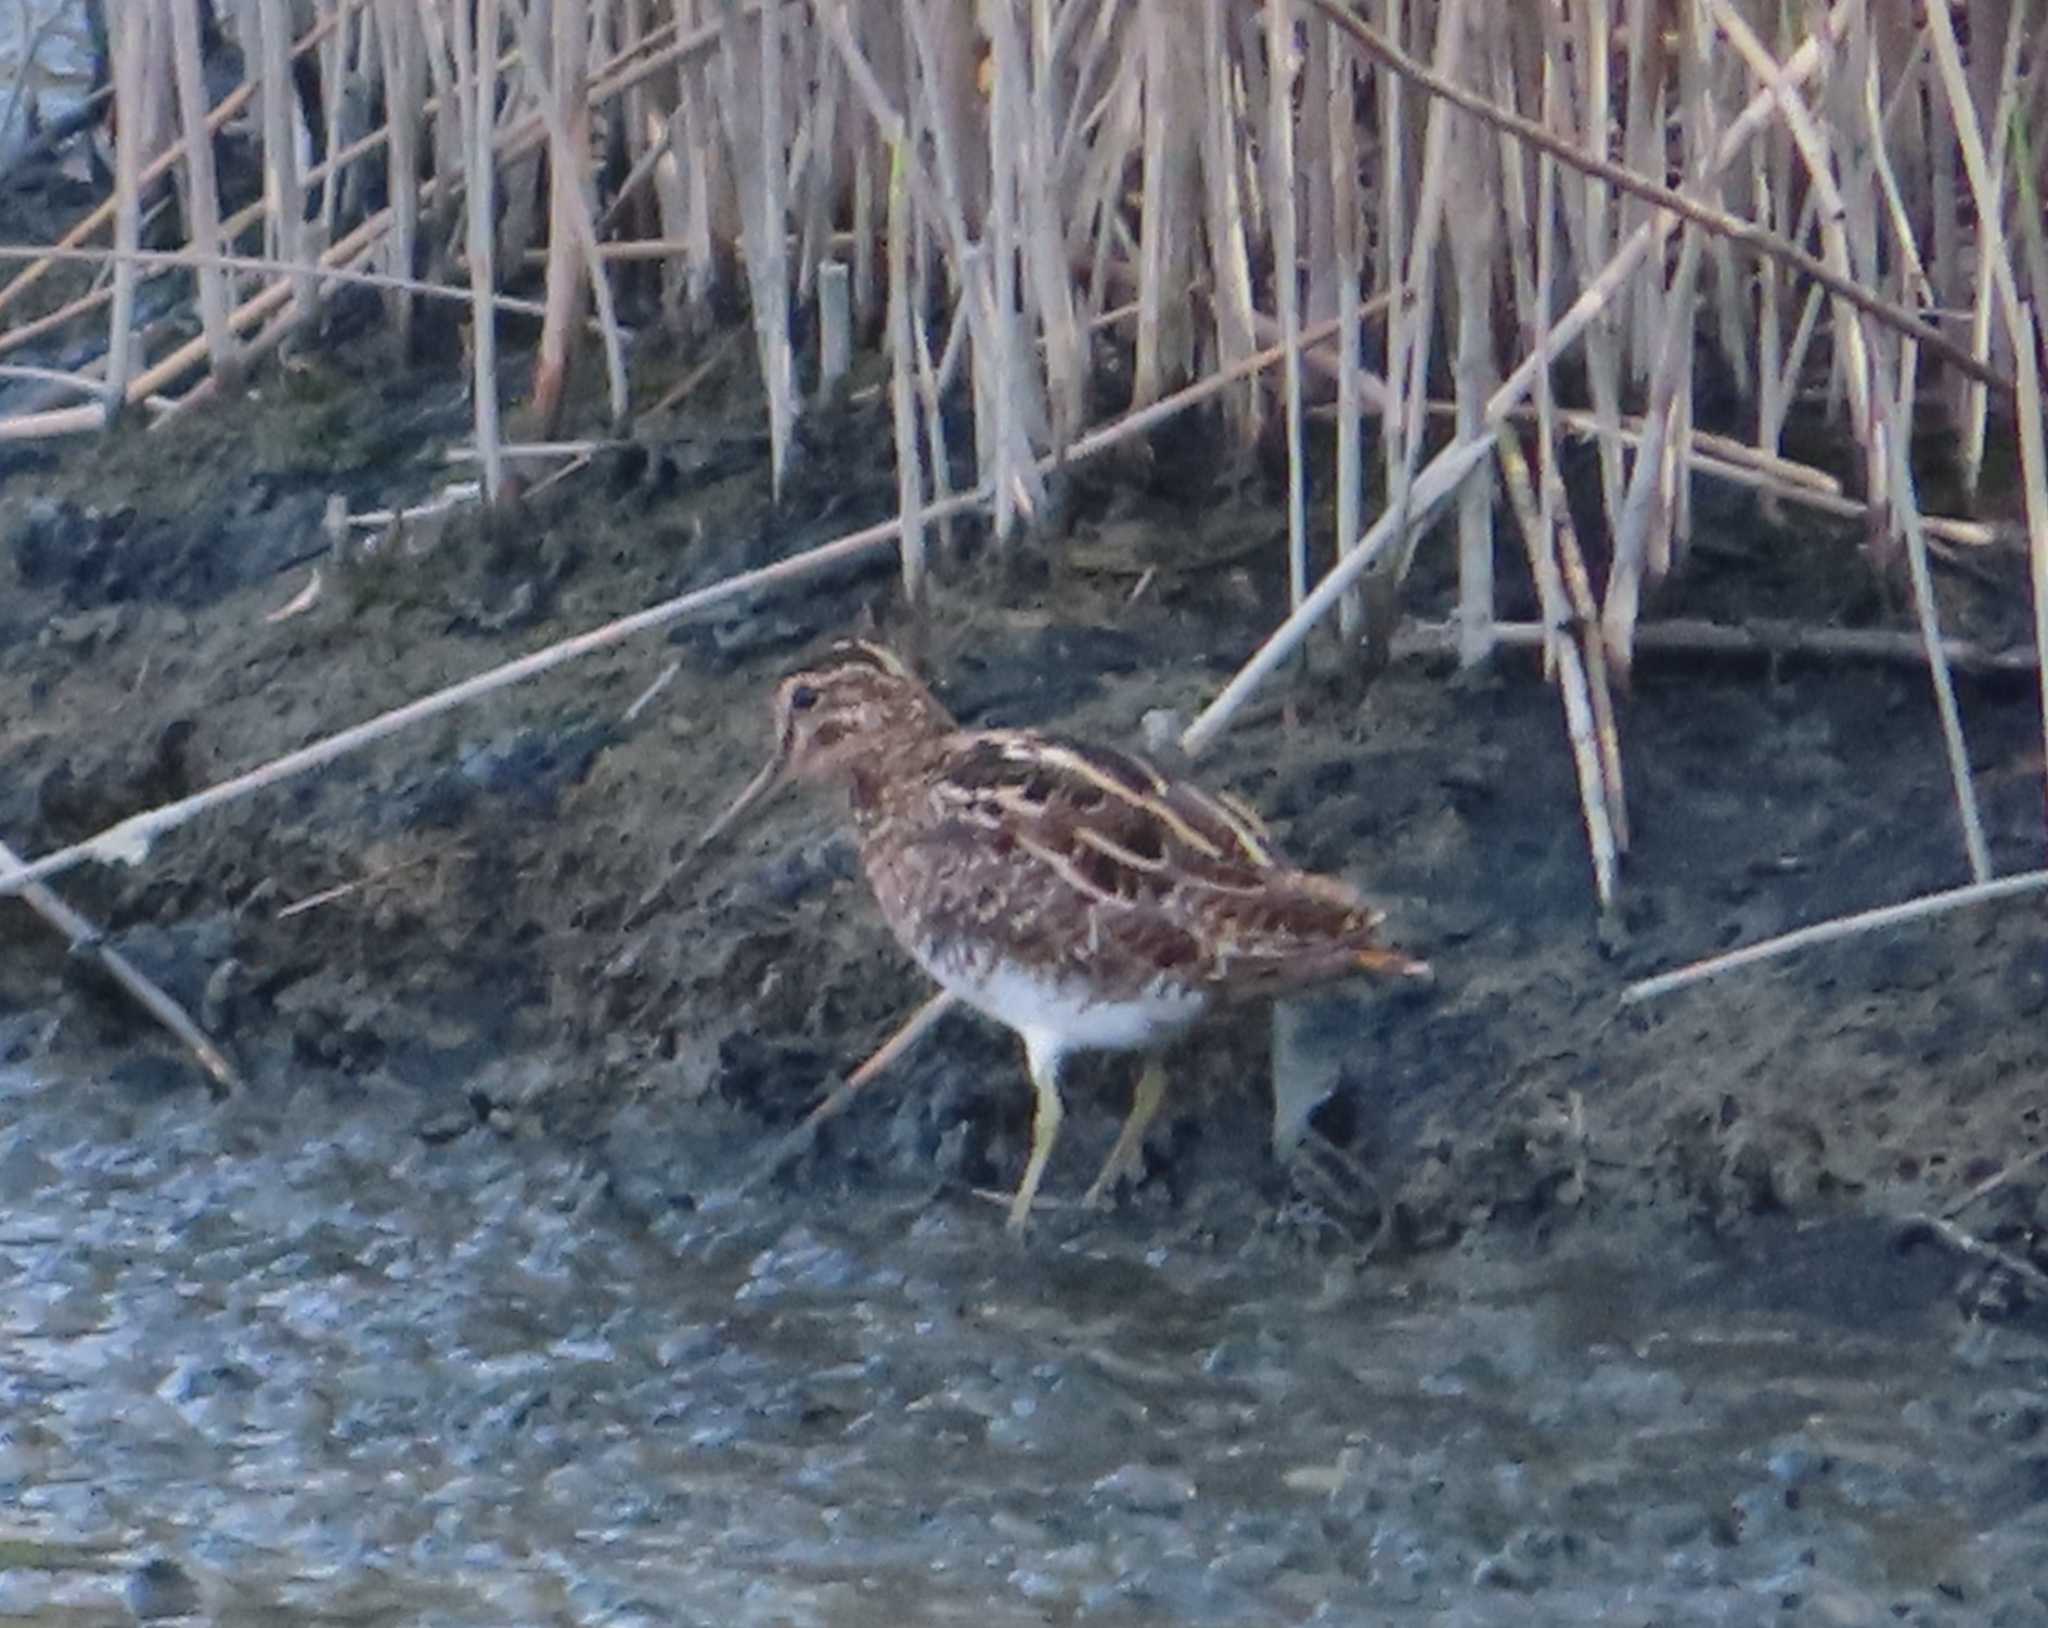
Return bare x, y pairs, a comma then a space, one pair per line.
858, 703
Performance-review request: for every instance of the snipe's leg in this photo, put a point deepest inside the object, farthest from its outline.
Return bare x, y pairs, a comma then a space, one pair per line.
1044, 1061
1130, 1141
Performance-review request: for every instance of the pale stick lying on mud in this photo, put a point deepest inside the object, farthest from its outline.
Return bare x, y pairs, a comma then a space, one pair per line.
1825, 932
908, 1033
85, 940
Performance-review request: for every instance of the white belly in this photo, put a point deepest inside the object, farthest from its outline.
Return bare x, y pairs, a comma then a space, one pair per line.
1063, 1014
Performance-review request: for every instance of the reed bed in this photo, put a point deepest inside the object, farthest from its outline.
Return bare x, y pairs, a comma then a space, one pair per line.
1426, 246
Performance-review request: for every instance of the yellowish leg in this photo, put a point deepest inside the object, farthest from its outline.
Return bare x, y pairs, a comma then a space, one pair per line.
1145, 1100
1045, 1130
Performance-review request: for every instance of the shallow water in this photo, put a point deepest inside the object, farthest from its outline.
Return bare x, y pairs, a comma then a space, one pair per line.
289, 1356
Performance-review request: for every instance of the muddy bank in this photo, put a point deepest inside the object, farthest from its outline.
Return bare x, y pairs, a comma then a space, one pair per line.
495, 914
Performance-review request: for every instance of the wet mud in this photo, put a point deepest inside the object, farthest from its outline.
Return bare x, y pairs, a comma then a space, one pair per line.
1556, 1304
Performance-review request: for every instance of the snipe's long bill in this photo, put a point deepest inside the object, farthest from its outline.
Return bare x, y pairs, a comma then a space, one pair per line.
1071, 892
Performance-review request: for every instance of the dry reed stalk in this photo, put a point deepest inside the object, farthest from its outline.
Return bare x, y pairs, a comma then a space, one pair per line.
1896, 420
88, 943
54, 422
1535, 336
1039, 70
1164, 351
835, 325
1003, 452
323, 269
1396, 457
1762, 638
129, 841
402, 47
1229, 255
999, 239
707, 182
474, 41
817, 155
1593, 241
903, 317
131, 53
1098, 230
1580, 728
1775, 479
932, 384
1829, 932
1561, 560
69, 381
1644, 133
333, 86
1645, 511
1470, 202
1987, 182
1348, 231
202, 194
283, 190
1280, 194
2034, 487
1375, 395
756, 148
1408, 372
907, 1034
1995, 261
1578, 590
572, 229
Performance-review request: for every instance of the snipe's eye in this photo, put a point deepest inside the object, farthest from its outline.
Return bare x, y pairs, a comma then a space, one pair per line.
802, 698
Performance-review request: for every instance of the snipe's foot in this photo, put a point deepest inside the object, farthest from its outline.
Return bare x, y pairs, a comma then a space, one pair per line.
1127, 1156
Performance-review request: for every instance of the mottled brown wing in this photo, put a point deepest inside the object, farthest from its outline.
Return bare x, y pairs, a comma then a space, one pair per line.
1169, 876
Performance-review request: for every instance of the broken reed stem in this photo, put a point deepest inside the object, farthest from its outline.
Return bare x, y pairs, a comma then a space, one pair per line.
903, 318
1828, 932
87, 941
2034, 472
1280, 194
573, 251
130, 46
1580, 727
1763, 639
1905, 507
476, 79
320, 270
907, 1034
202, 197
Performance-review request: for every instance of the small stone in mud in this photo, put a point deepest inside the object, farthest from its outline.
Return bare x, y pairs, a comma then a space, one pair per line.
162, 1588
1144, 1489
220, 1002
2009, 1416
80, 634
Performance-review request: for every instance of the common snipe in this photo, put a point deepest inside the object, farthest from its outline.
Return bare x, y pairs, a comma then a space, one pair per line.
1075, 894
